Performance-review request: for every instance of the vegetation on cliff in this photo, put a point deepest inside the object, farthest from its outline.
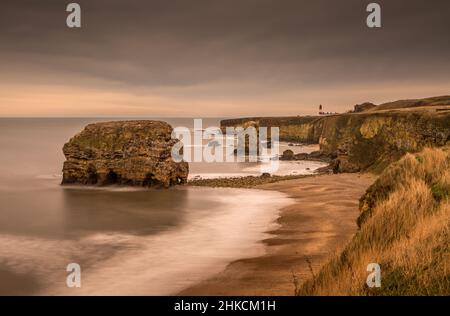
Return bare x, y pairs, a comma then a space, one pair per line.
412, 103
404, 227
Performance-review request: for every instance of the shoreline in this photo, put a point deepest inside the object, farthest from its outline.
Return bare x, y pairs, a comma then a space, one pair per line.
320, 221
196, 248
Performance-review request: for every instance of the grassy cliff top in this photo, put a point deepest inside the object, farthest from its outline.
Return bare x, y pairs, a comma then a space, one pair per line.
432, 104
413, 103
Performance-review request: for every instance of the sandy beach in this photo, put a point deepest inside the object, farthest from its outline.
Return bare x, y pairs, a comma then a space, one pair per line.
320, 222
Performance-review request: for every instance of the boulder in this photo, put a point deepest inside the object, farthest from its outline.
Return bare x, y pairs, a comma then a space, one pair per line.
342, 165
246, 139
363, 107
314, 156
287, 155
301, 156
318, 154
136, 153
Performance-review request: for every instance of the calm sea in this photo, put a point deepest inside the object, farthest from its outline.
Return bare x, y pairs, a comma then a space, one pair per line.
126, 240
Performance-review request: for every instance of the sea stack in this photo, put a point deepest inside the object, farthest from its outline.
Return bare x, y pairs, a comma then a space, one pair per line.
135, 153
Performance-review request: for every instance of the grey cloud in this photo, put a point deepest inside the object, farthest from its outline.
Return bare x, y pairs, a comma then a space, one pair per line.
177, 43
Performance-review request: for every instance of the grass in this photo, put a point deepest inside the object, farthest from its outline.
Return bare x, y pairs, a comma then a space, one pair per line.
404, 227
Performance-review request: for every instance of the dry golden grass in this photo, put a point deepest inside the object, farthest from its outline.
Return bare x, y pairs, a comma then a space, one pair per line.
405, 227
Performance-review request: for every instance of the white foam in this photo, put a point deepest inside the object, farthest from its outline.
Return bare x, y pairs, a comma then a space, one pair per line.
159, 264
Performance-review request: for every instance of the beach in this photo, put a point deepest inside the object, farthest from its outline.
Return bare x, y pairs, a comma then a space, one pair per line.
319, 223
249, 238
127, 240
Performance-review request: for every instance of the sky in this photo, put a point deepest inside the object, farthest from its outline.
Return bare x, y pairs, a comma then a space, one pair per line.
218, 58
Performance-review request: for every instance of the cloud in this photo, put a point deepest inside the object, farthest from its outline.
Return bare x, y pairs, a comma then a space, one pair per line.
241, 52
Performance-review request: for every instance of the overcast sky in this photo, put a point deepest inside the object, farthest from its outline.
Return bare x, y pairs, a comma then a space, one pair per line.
218, 58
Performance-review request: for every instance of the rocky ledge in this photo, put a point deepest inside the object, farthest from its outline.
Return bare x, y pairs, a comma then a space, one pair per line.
243, 182
136, 153
318, 155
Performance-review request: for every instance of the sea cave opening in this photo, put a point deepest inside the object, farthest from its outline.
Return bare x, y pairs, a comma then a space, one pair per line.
112, 178
150, 180
92, 176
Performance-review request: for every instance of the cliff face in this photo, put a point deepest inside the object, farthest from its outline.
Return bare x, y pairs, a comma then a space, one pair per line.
368, 140
304, 129
124, 152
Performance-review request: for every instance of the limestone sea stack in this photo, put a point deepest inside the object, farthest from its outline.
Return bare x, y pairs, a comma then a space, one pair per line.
136, 153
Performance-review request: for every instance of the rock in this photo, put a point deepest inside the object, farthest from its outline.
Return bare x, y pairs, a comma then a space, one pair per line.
134, 153
318, 154
342, 149
325, 170
246, 146
267, 144
301, 156
287, 155
363, 107
260, 143
314, 156
243, 182
343, 165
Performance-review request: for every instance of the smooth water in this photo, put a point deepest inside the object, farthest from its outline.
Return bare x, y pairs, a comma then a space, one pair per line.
126, 240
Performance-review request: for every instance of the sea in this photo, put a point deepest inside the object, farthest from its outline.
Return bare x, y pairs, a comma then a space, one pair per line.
122, 240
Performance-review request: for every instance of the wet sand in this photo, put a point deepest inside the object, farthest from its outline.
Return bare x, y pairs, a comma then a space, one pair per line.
14, 283
321, 222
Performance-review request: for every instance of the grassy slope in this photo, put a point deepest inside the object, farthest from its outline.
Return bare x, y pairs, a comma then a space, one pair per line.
404, 226
400, 104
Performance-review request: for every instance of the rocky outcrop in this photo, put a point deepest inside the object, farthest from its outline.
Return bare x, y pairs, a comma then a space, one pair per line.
363, 107
374, 140
366, 140
244, 139
313, 156
136, 153
300, 129
287, 155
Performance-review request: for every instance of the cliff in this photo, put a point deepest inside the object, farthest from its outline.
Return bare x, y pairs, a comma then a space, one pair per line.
373, 140
404, 226
366, 140
124, 152
303, 129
